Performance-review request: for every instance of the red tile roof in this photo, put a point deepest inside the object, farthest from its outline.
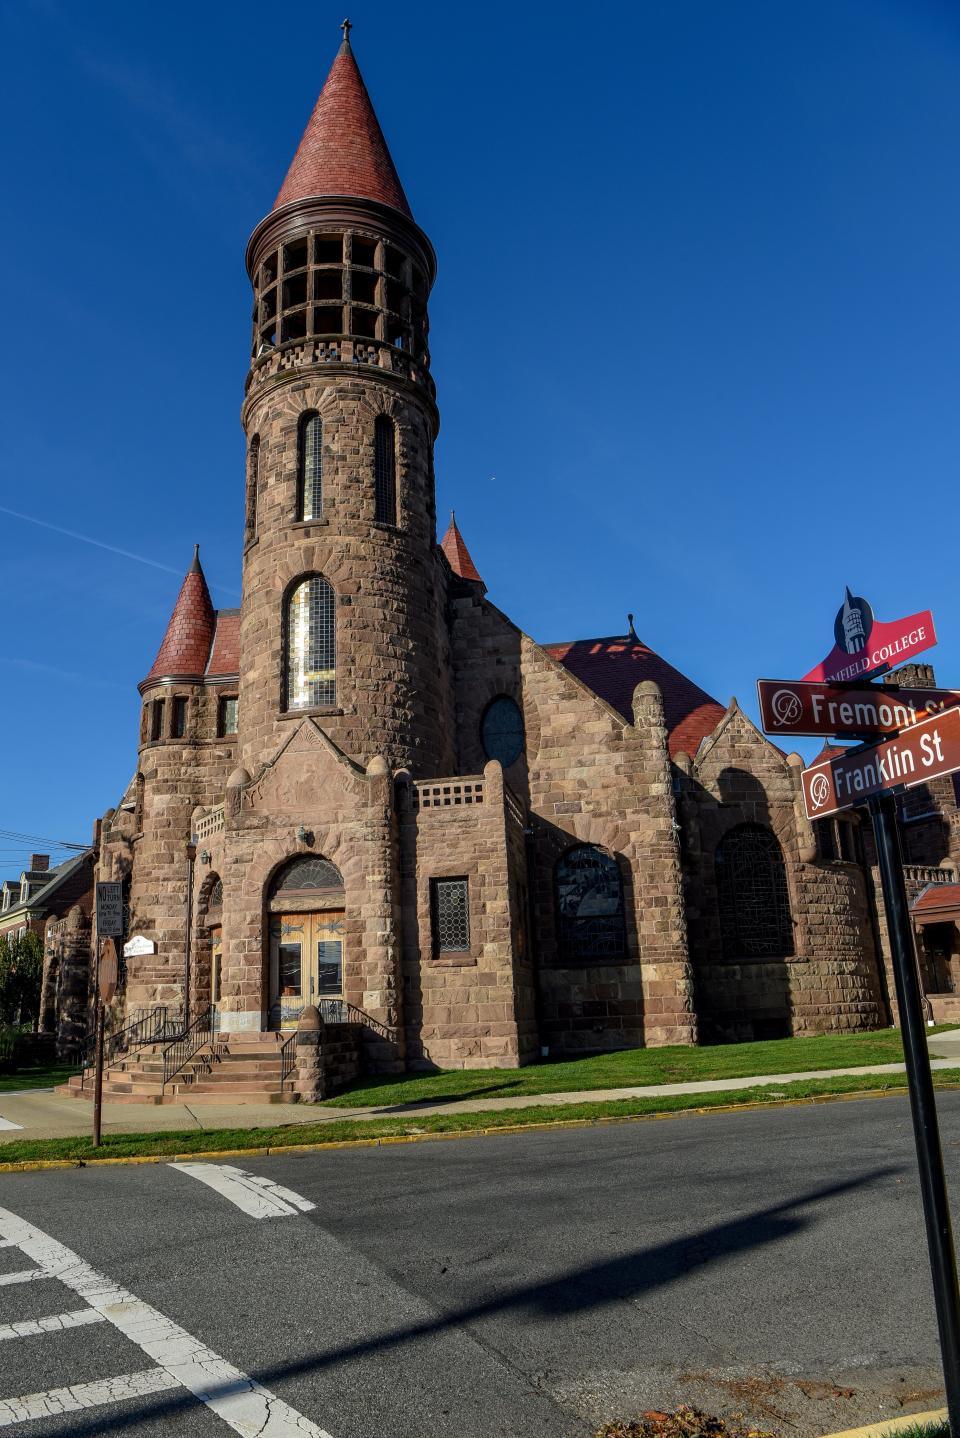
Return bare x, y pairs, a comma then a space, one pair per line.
458, 555
343, 151
225, 654
938, 896
186, 644
613, 668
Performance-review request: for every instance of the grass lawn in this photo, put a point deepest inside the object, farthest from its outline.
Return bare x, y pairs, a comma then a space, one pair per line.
45, 1077
633, 1067
129, 1145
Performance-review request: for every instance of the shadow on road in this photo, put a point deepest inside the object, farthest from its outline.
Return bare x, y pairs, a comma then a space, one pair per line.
583, 1290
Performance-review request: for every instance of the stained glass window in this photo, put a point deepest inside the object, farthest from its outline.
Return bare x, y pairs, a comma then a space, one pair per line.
502, 730
311, 467
311, 671
385, 470
451, 916
253, 481
308, 875
590, 906
752, 894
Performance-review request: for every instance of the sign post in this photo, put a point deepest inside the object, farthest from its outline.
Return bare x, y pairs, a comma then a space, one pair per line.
107, 971
933, 1184
919, 734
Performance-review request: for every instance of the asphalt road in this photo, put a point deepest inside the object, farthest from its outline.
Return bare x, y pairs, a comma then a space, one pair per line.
533, 1285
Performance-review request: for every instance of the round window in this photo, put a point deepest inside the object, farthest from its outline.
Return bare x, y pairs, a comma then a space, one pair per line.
502, 731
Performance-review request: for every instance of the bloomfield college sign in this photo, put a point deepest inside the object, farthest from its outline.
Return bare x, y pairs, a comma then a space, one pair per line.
864, 646
926, 751
796, 707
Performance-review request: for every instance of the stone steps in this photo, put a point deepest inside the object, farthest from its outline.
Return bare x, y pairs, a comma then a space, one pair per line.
241, 1070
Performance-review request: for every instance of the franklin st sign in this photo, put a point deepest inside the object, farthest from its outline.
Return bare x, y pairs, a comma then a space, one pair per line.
918, 754
790, 706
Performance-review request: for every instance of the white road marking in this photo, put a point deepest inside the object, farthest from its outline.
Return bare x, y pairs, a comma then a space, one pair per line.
259, 1197
245, 1405
53, 1323
5, 1123
85, 1395
25, 1275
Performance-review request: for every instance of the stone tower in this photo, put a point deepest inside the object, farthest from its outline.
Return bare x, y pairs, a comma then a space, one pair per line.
343, 585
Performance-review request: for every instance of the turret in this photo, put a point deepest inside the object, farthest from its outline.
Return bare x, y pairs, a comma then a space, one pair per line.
343, 586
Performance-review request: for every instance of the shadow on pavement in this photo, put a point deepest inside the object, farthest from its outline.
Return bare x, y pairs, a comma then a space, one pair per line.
582, 1290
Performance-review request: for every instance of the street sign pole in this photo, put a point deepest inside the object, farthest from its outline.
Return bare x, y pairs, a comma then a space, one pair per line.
98, 1075
933, 1185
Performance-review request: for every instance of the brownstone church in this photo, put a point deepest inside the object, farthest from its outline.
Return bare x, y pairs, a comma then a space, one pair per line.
369, 791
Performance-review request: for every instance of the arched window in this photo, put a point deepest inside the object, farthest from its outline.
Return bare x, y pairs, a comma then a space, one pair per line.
752, 894
305, 876
310, 465
501, 730
310, 677
253, 485
385, 470
589, 892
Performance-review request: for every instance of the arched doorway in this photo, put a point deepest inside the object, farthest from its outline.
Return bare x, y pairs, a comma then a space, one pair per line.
306, 927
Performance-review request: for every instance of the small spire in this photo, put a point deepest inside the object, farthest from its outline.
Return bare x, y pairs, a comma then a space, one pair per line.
189, 634
346, 27
632, 632
458, 555
195, 566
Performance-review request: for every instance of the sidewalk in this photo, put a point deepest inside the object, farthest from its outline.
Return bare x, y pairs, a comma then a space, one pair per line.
45, 1114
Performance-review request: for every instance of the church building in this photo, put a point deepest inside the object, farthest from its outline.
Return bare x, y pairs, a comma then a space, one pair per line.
368, 790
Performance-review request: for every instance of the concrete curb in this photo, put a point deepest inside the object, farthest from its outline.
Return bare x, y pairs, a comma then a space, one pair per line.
41, 1165
892, 1425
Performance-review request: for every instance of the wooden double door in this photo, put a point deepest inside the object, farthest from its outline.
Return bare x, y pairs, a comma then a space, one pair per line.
306, 963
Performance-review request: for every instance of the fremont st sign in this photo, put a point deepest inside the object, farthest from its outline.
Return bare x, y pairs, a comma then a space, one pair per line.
926, 751
790, 706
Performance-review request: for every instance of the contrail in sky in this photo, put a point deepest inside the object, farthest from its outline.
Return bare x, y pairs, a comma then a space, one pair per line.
99, 544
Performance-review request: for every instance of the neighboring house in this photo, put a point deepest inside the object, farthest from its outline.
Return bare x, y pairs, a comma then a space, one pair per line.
42, 893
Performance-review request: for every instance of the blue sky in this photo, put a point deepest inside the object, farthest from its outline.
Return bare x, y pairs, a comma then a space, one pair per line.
694, 333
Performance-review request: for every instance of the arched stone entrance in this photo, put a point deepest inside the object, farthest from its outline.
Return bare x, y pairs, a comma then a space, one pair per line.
305, 921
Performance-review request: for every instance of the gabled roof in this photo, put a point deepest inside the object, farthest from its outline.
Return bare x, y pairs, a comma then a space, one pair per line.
343, 151
613, 667
225, 651
55, 879
935, 898
458, 555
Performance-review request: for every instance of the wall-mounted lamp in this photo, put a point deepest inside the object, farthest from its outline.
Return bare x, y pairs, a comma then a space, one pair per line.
304, 835
204, 856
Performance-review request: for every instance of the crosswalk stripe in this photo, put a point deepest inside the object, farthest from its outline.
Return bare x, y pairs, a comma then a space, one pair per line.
258, 1197
25, 1275
85, 1395
53, 1323
7, 1123
244, 1404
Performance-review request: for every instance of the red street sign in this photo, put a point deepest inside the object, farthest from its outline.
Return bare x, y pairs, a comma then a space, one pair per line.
926, 751
864, 646
789, 706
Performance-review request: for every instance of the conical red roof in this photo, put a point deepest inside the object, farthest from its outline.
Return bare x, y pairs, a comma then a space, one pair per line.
458, 555
186, 644
343, 151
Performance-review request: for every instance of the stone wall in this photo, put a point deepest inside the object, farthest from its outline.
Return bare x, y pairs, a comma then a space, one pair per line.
828, 978
66, 993
471, 1009
589, 777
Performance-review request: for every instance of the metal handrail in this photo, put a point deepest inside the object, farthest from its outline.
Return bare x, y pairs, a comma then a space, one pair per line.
288, 1057
152, 1027
338, 1011
200, 1033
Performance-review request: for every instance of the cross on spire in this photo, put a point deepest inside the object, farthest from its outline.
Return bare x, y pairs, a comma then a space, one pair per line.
346, 27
